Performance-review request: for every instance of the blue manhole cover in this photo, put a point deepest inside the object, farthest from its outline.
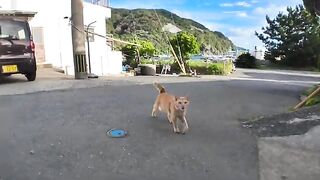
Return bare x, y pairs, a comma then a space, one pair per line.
117, 133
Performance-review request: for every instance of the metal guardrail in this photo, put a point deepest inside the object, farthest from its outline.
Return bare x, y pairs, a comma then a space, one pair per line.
25, 15
105, 3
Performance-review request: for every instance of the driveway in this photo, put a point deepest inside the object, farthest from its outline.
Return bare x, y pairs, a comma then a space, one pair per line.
61, 134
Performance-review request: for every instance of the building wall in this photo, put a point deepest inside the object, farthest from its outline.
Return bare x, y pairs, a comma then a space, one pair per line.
100, 53
104, 61
56, 30
5, 4
53, 18
258, 54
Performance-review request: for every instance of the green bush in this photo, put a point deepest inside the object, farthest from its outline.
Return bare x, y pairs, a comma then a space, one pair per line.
201, 67
213, 69
210, 68
217, 69
147, 61
246, 61
156, 62
175, 67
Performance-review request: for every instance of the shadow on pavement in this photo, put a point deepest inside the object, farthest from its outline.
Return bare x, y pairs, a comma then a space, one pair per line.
12, 79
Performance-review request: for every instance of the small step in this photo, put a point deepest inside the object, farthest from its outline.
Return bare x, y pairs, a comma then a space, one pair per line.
44, 65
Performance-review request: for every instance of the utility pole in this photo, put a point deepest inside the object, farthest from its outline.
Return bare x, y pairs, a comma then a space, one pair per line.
78, 40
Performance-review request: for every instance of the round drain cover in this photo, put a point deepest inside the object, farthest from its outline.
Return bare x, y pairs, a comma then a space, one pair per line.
116, 133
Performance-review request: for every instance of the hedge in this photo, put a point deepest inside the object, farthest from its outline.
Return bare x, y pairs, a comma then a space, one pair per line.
202, 67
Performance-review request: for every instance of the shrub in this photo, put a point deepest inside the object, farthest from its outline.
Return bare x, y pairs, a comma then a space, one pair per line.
210, 68
213, 69
200, 66
219, 68
156, 62
246, 61
147, 61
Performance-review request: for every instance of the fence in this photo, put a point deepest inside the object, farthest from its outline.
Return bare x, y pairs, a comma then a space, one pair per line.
104, 3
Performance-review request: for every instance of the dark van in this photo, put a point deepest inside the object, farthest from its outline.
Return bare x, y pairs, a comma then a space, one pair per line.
17, 50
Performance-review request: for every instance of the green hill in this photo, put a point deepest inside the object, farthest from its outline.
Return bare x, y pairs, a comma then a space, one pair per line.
144, 25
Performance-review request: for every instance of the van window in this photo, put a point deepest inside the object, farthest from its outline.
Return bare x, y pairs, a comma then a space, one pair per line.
14, 30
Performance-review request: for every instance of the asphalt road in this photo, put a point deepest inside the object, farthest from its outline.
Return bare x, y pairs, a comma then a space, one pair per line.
61, 134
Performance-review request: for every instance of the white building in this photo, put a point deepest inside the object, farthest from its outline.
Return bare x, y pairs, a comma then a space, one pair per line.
51, 31
258, 54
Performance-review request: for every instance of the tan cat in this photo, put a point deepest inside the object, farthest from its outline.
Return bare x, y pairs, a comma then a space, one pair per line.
175, 107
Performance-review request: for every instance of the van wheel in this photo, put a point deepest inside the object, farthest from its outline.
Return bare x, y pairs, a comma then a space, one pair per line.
31, 76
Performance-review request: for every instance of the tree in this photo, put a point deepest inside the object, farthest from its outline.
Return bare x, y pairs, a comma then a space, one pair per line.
293, 38
129, 52
147, 49
246, 60
132, 52
184, 45
313, 6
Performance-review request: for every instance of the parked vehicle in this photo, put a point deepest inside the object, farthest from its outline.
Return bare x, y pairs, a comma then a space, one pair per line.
17, 50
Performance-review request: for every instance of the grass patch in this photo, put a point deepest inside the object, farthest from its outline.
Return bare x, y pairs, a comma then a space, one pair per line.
312, 101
